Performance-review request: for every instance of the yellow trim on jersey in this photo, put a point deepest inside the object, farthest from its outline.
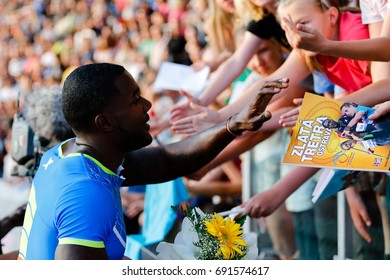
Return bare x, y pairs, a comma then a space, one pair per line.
105, 169
81, 242
27, 223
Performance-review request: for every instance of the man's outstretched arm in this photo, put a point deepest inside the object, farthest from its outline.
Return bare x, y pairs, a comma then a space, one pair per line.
164, 163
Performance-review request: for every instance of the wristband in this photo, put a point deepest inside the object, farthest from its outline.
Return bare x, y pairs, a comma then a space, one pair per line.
228, 129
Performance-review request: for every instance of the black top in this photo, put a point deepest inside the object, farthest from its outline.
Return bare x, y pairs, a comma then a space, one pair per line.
267, 28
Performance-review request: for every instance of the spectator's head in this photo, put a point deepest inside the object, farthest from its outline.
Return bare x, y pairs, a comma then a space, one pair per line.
348, 109
268, 58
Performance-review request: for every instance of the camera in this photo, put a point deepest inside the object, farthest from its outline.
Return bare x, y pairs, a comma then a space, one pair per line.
41, 126
26, 148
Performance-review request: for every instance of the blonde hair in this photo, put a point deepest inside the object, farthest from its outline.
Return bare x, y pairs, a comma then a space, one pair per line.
249, 11
221, 27
341, 5
325, 4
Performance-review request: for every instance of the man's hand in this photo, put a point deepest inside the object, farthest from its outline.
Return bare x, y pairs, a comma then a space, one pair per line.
253, 117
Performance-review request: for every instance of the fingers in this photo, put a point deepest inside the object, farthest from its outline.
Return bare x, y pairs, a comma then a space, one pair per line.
280, 84
249, 209
183, 110
265, 116
380, 110
183, 126
362, 225
189, 97
305, 28
198, 108
290, 118
197, 66
263, 98
257, 114
298, 101
252, 211
185, 94
365, 218
288, 122
375, 115
178, 111
258, 121
292, 113
288, 25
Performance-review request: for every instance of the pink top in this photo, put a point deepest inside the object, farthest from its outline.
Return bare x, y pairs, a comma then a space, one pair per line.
349, 74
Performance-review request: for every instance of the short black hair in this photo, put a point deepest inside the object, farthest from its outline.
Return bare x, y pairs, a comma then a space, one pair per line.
326, 123
86, 90
348, 104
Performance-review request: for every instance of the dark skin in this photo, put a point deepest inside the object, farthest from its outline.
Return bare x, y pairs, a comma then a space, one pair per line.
120, 132
7, 224
12, 220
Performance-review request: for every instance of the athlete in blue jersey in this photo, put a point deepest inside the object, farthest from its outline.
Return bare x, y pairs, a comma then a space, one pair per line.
74, 209
56, 202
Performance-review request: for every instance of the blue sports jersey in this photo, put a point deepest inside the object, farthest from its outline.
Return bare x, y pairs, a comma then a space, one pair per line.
73, 200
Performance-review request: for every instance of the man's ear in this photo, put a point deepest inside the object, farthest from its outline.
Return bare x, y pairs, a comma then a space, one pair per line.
333, 14
103, 122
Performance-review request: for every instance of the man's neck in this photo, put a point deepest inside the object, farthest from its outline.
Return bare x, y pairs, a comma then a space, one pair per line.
78, 145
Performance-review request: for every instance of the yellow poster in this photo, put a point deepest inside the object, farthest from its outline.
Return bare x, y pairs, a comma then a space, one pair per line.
334, 134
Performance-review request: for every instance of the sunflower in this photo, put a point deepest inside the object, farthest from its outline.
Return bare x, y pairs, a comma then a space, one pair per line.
229, 236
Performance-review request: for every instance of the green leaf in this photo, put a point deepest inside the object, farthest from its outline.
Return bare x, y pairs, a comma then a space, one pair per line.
240, 219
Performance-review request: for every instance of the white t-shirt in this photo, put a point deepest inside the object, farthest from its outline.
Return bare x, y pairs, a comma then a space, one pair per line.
373, 10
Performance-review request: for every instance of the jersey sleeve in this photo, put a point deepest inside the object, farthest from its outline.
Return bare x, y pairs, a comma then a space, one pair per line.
85, 216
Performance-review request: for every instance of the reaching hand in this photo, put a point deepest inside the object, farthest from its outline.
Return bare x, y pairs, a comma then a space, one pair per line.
253, 117
135, 208
199, 65
196, 123
182, 110
157, 126
290, 118
359, 213
262, 204
303, 36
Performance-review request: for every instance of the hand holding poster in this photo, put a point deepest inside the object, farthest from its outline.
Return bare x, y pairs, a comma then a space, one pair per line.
332, 134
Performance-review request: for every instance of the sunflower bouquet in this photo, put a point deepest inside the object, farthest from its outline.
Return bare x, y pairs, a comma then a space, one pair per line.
206, 236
